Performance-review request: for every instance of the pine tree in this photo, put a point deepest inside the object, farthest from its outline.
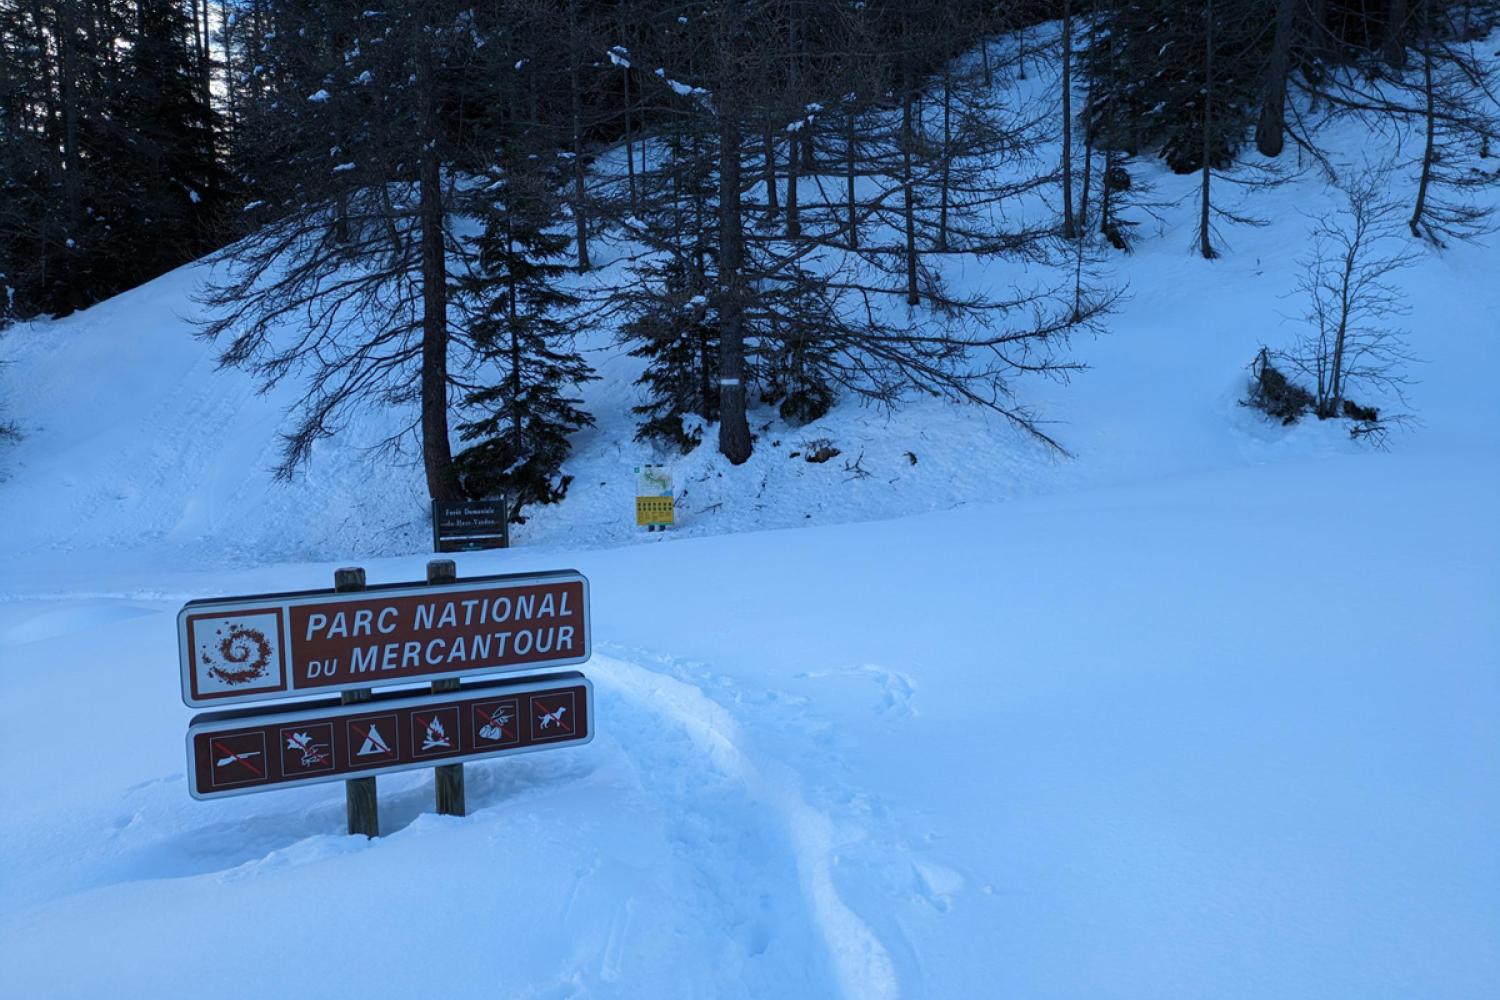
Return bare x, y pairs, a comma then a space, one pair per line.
521, 441
670, 310
677, 333
109, 172
353, 157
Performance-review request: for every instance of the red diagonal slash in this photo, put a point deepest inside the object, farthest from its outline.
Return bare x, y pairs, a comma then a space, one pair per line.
366, 734
565, 727
423, 723
238, 758
491, 720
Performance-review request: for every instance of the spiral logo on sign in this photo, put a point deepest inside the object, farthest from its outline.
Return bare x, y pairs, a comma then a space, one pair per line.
239, 656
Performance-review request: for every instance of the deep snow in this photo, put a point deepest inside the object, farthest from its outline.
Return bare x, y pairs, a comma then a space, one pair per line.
1211, 710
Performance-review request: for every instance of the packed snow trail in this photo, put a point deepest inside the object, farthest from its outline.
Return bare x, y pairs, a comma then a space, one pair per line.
862, 966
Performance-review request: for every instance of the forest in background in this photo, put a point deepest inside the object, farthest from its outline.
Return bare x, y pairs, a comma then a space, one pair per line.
412, 187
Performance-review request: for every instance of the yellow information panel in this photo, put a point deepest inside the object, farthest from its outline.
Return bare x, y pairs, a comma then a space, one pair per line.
651, 511
653, 497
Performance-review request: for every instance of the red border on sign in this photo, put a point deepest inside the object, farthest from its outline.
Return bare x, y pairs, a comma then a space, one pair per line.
550, 703
215, 748
485, 712
355, 733
192, 652
419, 720
281, 741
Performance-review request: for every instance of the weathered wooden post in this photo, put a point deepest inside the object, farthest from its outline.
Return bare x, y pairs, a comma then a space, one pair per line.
359, 793
448, 780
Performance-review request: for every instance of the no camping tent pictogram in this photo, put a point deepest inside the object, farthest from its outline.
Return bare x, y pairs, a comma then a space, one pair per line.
372, 740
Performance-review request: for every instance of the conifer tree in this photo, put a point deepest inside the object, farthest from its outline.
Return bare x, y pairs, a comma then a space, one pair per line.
521, 327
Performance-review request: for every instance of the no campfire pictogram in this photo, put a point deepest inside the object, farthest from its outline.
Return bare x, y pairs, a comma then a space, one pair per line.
434, 733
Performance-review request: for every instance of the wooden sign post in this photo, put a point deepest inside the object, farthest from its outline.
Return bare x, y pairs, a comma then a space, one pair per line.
361, 804
448, 780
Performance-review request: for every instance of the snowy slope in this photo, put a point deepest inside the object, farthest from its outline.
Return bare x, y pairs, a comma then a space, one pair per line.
1212, 709
137, 442
1136, 742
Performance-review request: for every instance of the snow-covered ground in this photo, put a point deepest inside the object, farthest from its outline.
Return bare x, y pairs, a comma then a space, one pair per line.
1211, 710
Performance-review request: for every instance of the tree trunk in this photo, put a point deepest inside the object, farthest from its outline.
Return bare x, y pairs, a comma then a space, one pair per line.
580, 217
208, 65
437, 455
629, 145
1430, 145
1204, 245
773, 197
226, 40
734, 428
1315, 38
945, 179
908, 141
517, 421
1336, 374
1271, 127
908, 208
575, 114
67, 78
1070, 231
793, 219
1393, 42
851, 152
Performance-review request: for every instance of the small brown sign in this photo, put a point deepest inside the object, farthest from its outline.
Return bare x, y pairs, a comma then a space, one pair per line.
232, 753
244, 649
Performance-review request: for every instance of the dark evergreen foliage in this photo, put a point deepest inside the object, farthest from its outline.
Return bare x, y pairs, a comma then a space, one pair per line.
796, 174
675, 330
521, 328
109, 169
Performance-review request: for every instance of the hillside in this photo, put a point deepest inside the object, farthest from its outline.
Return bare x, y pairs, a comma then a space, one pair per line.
1208, 709
179, 462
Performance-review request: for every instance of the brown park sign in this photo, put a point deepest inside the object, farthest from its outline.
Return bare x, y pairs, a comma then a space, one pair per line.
243, 649
233, 753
